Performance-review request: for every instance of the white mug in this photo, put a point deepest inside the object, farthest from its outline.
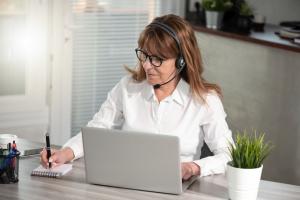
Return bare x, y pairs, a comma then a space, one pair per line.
260, 19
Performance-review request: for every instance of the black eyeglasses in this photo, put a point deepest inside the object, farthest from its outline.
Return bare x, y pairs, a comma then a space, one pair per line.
142, 56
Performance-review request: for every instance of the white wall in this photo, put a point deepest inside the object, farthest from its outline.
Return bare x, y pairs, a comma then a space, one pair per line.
277, 10
61, 71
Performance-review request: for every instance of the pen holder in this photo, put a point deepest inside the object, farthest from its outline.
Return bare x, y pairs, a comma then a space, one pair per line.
9, 166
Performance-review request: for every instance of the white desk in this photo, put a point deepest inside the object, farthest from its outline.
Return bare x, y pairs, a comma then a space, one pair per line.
73, 186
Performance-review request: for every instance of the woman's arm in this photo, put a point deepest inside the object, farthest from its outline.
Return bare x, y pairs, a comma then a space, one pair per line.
217, 137
110, 115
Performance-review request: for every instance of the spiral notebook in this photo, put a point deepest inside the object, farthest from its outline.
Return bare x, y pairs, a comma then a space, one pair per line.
53, 172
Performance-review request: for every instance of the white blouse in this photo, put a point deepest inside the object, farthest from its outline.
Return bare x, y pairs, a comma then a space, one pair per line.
134, 106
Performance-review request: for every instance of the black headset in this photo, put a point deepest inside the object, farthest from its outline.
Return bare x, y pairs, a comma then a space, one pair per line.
180, 62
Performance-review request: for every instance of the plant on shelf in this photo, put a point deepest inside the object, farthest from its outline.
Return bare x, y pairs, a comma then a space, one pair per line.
217, 5
244, 171
214, 11
245, 15
245, 9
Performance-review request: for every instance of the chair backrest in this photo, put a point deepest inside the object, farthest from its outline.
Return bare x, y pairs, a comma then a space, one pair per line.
205, 152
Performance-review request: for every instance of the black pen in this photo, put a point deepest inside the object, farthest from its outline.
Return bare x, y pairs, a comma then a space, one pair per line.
48, 148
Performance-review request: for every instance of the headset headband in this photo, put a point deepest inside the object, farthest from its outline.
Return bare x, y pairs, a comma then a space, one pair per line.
170, 31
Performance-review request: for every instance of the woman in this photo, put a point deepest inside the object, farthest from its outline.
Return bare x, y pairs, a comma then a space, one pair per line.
166, 94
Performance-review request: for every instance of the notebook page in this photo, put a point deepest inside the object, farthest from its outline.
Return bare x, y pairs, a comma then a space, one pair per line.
57, 171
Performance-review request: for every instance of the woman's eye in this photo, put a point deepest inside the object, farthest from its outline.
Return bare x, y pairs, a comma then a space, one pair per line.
156, 59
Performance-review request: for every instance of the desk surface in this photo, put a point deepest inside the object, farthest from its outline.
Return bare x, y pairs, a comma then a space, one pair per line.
73, 186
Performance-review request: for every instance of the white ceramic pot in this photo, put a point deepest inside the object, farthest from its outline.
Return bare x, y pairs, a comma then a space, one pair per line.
243, 184
214, 19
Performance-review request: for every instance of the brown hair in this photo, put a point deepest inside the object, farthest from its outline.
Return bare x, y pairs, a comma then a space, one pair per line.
158, 42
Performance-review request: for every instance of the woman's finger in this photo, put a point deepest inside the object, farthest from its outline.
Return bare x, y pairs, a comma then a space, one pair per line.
44, 159
44, 156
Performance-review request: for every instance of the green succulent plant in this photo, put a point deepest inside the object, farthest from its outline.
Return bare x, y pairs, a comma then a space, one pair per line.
249, 151
246, 9
217, 5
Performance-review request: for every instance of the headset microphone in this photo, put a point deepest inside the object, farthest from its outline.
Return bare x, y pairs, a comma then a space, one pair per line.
157, 86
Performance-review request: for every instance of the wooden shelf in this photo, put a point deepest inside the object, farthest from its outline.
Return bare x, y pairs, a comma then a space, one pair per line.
267, 38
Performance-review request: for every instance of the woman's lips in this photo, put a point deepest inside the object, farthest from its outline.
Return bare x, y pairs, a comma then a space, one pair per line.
151, 74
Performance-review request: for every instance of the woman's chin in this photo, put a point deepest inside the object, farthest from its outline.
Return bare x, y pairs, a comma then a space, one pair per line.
152, 81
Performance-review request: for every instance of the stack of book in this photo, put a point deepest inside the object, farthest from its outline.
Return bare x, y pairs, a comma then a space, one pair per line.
292, 33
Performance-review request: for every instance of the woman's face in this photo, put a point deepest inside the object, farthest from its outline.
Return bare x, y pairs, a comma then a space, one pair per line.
161, 74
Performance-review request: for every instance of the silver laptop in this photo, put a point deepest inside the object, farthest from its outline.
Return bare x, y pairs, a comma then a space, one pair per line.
134, 160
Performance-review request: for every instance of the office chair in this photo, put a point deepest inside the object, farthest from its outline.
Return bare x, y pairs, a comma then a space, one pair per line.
205, 152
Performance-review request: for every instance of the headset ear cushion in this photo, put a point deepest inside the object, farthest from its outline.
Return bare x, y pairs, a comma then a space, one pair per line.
180, 63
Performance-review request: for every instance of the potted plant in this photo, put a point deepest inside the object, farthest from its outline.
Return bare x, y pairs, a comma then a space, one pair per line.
244, 20
214, 11
244, 171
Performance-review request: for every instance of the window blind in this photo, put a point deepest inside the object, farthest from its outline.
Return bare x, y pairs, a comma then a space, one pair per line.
105, 34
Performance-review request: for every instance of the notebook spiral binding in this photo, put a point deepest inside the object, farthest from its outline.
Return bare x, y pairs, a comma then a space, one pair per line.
47, 174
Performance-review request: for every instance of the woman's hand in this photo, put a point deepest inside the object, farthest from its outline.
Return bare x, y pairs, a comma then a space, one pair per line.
58, 157
189, 169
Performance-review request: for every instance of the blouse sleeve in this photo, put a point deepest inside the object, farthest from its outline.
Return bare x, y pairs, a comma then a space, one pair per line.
109, 116
217, 137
